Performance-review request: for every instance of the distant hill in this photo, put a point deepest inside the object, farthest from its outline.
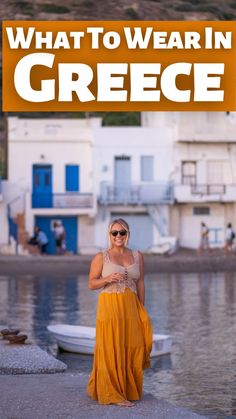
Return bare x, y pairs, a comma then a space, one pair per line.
118, 10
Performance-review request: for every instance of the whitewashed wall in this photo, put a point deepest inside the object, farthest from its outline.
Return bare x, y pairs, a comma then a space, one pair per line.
203, 137
56, 142
134, 142
203, 153
190, 225
3, 224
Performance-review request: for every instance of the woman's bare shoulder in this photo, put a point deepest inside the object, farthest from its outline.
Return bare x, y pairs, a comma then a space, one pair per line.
98, 257
97, 261
140, 255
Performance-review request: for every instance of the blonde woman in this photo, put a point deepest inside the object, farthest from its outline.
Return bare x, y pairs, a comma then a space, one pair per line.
123, 327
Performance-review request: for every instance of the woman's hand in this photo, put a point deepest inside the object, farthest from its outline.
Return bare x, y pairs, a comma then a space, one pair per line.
114, 277
96, 280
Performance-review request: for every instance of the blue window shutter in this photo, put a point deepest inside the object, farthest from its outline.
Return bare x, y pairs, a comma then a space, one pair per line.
72, 178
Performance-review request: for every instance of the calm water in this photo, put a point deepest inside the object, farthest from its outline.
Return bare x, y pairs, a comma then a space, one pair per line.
199, 311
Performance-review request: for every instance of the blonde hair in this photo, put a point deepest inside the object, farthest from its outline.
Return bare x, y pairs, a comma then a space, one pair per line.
125, 226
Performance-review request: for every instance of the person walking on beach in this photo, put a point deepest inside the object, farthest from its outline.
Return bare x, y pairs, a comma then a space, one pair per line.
123, 327
204, 240
229, 238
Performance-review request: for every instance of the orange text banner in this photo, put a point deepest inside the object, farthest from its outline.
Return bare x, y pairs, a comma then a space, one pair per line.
119, 66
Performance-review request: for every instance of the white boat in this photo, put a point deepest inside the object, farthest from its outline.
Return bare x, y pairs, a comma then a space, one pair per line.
81, 339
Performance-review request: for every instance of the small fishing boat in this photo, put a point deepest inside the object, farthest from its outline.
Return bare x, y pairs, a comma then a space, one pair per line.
81, 339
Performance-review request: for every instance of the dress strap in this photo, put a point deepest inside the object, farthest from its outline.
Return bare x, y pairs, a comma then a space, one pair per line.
136, 256
106, 256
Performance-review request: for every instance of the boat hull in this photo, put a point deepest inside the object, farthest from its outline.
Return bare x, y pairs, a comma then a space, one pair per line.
81, 339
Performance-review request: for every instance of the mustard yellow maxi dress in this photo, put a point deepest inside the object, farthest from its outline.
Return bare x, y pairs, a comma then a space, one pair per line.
123, 338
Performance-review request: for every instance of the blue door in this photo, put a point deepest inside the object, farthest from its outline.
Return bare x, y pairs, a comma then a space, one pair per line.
70, 226
141, 230
122, 178
72, 178
42, 186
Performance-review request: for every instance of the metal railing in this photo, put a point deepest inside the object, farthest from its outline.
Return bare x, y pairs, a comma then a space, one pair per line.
206, 189
63, 200
138, 194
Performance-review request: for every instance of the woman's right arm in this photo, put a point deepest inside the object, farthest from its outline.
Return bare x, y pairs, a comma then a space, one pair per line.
95, 279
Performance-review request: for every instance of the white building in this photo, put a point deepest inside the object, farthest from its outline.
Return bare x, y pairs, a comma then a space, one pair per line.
51, 178
3, 218
164, 178
204, 173
132, 167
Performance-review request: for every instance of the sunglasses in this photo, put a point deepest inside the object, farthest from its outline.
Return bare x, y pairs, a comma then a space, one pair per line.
115, 233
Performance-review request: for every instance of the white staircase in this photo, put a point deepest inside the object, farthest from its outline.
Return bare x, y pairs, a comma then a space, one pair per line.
166, 244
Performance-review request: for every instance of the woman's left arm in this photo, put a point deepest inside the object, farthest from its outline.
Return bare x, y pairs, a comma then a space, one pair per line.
140, 283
